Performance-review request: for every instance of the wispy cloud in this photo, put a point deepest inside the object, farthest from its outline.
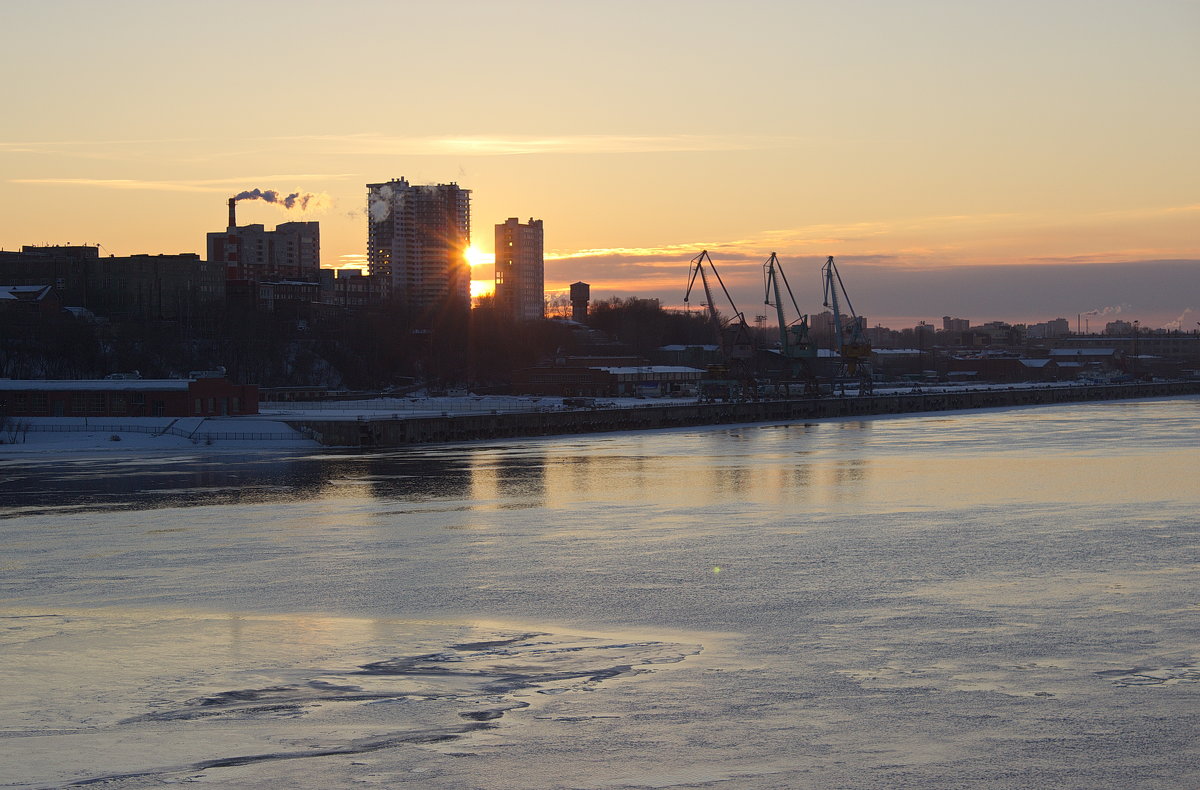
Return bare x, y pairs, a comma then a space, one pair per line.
375, 144
200, 185
120, 183
510, 145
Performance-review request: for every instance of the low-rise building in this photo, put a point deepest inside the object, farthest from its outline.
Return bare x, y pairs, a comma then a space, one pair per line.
608, 381
30, 299
200, 396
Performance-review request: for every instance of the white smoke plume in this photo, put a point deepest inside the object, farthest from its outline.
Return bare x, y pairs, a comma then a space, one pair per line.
300, 200
1182, 321
1111, 310
381, 202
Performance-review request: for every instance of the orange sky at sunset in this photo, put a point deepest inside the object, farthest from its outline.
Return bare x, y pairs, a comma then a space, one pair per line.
1019, 160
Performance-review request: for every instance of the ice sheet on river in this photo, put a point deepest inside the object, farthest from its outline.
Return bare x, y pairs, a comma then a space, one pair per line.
126, 699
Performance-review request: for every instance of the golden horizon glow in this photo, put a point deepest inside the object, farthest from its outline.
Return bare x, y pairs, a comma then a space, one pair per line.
482, 288
979, 213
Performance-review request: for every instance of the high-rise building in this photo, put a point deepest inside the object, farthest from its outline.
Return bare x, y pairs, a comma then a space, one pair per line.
417, 237
955, 324
520, 275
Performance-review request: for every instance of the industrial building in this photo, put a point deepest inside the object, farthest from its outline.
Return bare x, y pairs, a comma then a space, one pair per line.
608, 381
251, 253
143, 287
203, 395
417, 238
520, 270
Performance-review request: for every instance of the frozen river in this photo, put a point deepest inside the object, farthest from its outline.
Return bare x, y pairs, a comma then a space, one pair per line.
1003, 599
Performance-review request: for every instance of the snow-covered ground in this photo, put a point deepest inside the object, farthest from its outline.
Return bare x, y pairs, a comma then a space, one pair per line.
142, 434
269, 429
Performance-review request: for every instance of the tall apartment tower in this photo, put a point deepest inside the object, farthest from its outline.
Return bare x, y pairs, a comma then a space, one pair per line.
417, 237
520, 270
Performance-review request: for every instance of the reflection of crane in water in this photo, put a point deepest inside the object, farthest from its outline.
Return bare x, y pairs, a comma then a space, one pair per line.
795, 345
737, 345
853, 347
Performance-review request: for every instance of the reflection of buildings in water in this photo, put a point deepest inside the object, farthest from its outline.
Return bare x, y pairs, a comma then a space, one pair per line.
499, 480
727, 482
236, 623
418, 477
178, 481
578, 477
798, 477
846, 479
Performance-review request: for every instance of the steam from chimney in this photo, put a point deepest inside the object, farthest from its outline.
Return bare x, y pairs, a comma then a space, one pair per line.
301, 200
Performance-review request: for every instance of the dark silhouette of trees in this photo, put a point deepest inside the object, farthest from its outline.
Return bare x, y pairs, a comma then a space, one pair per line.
644, 326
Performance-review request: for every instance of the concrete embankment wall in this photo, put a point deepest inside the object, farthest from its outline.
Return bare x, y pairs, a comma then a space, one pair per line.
395, 432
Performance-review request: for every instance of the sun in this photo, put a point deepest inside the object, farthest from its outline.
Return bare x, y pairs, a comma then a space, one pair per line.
476, 257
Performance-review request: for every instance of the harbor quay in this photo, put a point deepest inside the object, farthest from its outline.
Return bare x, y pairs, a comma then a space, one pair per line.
400, 431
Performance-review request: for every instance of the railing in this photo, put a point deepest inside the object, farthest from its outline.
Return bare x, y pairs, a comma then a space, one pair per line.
399, 405
204, 436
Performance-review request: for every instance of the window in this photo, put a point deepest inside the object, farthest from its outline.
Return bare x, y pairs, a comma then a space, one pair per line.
87, 402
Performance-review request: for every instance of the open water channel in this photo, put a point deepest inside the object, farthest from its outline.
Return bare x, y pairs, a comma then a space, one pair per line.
1002, 599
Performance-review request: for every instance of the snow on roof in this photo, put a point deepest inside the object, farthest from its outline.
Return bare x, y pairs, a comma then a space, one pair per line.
1082, 352
77, 385
29, 289
1035, 363
824, 353
652, 369
680, 347
883, 352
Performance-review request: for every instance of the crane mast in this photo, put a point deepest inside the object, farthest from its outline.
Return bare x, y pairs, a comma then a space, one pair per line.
737, 346
794, 343
854, 350
698, 270
734, 334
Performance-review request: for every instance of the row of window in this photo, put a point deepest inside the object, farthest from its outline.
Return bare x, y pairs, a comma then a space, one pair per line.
81, 403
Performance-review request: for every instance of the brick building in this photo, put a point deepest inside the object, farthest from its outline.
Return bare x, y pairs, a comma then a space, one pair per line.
203, 396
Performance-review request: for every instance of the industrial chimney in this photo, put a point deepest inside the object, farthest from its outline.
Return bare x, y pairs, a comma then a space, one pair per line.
232, 214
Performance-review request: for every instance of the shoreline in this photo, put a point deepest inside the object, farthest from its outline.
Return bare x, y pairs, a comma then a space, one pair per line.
391, 432
372, 430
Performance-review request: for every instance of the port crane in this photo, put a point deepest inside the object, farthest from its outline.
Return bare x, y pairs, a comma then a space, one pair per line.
737, 344
795, 345
854, 350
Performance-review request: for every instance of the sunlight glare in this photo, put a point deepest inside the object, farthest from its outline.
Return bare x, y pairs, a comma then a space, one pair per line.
476, 257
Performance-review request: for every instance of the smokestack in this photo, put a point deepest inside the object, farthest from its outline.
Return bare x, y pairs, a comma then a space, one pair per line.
232, 214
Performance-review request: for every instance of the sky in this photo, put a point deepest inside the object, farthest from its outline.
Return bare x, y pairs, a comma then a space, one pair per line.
1006, 160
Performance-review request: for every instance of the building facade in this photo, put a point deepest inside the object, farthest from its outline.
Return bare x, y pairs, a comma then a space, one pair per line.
254, 254
158, 287
202, 396
417, 237
146, 287
520, 270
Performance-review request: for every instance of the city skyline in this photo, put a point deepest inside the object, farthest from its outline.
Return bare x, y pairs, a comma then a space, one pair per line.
1022, 162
